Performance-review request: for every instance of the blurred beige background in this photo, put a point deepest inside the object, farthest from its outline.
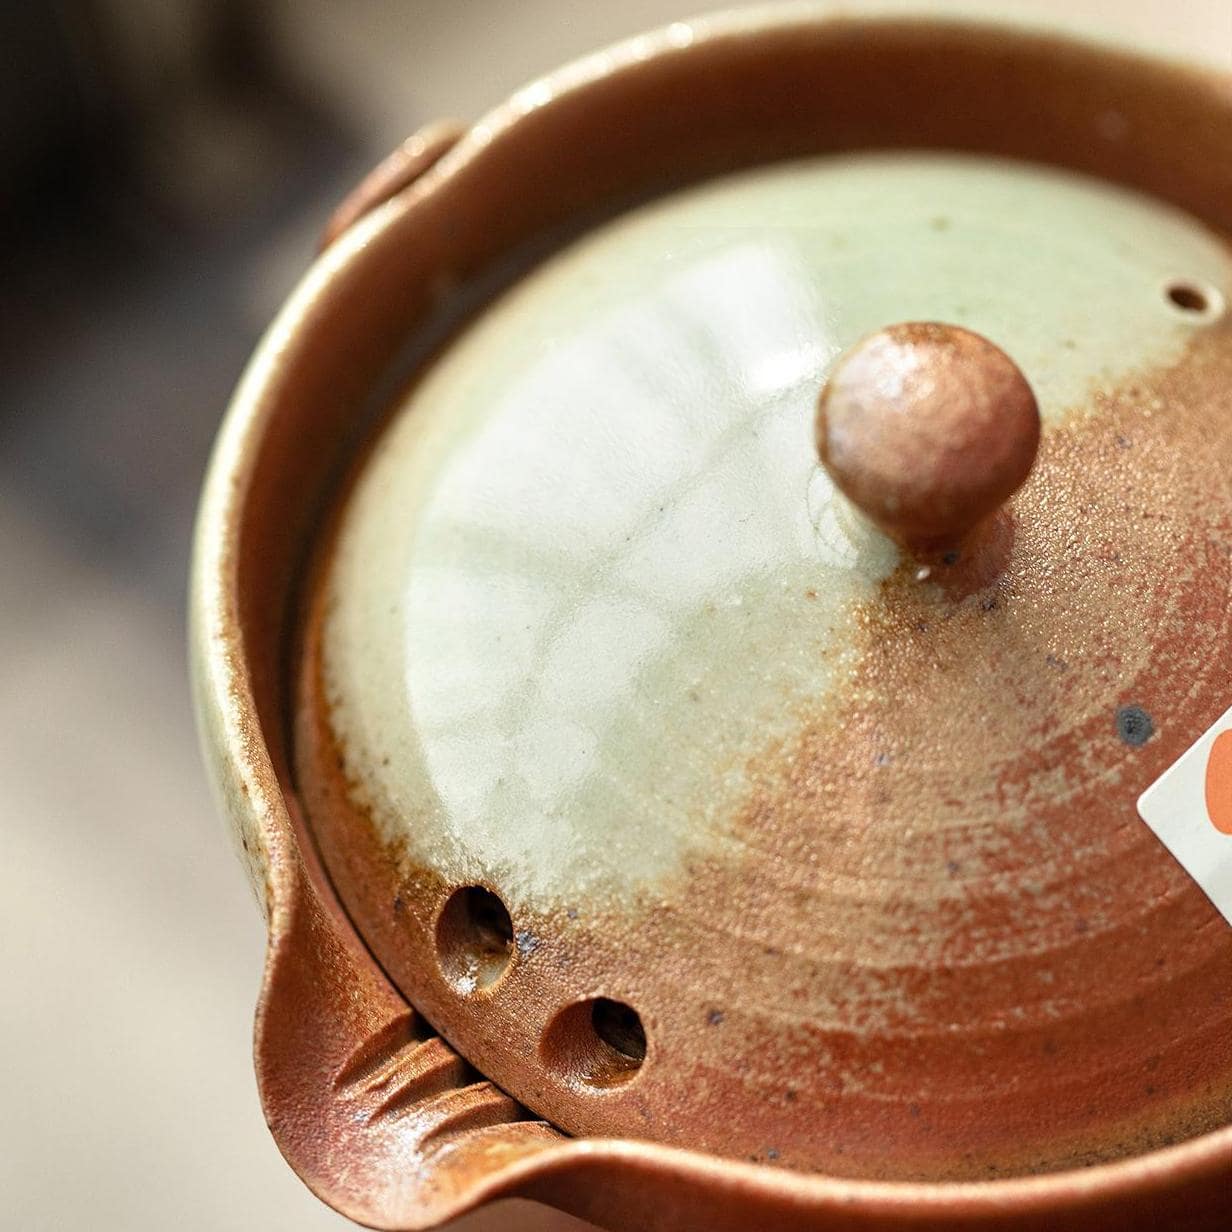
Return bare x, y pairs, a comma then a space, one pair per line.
130, 951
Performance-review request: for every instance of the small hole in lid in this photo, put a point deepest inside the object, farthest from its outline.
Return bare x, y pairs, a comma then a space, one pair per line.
598, 1043
474, 939
1194, 300
619, 1026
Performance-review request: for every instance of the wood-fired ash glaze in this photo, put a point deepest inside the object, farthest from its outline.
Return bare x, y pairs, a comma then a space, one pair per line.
597, 634
382, 1117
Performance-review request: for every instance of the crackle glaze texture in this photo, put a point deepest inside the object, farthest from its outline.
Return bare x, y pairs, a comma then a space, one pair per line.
595, 632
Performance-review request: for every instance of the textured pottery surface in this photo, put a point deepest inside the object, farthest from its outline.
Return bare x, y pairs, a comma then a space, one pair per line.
684, 805
599, 635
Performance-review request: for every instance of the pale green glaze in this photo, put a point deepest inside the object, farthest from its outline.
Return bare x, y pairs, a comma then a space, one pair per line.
592, 567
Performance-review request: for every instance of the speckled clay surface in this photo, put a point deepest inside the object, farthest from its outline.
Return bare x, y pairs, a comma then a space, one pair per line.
867, 917
598, 634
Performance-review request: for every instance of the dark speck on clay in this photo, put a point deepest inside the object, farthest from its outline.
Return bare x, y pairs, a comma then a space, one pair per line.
1134, 726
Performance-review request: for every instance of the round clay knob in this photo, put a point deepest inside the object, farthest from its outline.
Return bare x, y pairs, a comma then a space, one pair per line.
928, 429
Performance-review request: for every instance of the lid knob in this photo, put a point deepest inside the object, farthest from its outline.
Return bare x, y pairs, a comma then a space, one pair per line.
928, 429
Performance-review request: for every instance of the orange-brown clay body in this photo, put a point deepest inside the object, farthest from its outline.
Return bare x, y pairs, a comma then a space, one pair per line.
1131, 1071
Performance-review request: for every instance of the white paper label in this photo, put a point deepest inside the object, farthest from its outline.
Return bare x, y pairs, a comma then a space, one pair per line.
1190, 809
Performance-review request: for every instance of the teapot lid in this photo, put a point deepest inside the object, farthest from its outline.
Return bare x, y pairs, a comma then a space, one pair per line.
687, 802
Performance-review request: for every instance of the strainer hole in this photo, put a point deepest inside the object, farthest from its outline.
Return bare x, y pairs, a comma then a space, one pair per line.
598, 1043
1194, 300
620, 1027
474, 939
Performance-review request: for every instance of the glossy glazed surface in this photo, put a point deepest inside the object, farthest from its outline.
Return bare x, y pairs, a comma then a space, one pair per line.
859, 847
594, 558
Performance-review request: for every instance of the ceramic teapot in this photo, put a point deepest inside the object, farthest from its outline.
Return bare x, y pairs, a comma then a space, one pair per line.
710, 621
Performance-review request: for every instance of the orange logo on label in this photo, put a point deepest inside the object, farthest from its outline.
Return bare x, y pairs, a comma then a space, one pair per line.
1219, 784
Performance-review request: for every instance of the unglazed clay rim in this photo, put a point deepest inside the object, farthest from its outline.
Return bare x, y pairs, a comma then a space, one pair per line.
244, 776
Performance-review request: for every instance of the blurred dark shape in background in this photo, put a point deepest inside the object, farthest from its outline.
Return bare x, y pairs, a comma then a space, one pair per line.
162, 174
151, 152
